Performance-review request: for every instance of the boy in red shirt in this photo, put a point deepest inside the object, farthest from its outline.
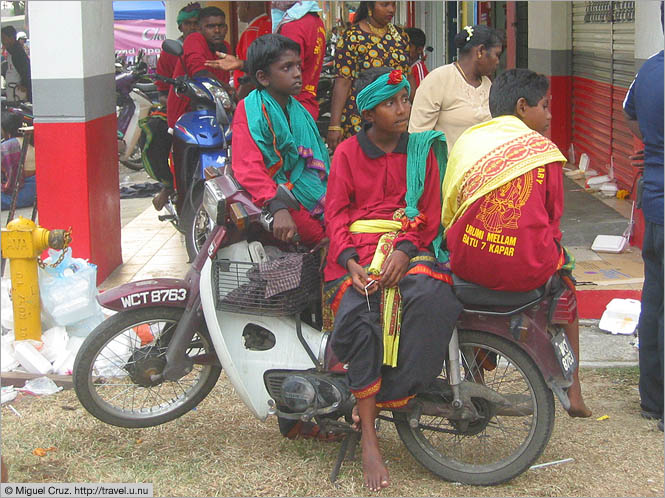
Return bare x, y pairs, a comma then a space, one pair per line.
300, 22
503, 199
259, 24
188, 23
198, 48
417, 57
385, 287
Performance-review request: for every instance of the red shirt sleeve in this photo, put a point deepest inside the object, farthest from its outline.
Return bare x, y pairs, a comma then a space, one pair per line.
165, 67
196, 52
309, 33
338, 201
247, 161
430, 206
554, 197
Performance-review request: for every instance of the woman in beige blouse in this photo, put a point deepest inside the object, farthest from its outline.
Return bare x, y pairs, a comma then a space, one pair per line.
455, 97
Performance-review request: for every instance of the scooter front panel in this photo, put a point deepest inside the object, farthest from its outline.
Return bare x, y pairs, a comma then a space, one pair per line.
200, 128
243, 366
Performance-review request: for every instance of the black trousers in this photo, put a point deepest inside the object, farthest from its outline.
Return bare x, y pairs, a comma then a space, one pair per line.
651, 321
429, 312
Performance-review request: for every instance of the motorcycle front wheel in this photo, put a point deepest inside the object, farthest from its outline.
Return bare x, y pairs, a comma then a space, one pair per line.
113, 369
504, 441
195, 223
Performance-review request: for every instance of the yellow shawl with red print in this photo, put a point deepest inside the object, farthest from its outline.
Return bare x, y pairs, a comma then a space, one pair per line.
489, 155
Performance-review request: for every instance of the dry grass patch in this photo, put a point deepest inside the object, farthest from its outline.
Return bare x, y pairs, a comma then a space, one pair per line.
220, 450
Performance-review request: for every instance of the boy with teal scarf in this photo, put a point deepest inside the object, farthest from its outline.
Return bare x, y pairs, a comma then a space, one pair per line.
276, 141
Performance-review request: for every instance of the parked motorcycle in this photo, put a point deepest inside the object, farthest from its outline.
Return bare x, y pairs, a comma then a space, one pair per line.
201, 139
134, 99
324, 92
485, 420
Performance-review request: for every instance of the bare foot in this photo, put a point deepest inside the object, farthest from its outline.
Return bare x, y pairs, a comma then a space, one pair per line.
374, 470
577, 406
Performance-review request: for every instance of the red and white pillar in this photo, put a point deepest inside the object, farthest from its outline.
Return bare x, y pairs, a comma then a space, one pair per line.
550, 53
72, 58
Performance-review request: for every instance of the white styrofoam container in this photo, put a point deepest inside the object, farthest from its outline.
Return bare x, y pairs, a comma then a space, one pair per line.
31, 359
609, 243
621, 316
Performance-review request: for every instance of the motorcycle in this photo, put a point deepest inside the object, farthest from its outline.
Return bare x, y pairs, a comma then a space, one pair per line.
134, 99
485, 420
201, 139
324, 92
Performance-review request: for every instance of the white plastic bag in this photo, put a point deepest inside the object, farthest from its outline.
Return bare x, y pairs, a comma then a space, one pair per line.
84, 327
41, 386
68, 292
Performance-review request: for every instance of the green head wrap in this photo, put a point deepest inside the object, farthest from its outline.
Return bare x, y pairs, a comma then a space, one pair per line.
183, 15
382, 88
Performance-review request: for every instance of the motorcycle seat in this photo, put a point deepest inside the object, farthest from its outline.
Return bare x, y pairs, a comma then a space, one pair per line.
476, 295
146, 87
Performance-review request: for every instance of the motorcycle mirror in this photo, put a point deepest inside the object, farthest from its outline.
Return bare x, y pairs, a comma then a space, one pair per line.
429, 49
287, 197
173, 47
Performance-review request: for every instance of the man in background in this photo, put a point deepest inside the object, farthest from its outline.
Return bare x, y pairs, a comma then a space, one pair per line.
188, 23
17, 77
259, 24
199, 47
417, 56
643, 109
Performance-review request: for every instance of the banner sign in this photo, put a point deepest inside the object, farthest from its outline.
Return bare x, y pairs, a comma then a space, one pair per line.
132, 36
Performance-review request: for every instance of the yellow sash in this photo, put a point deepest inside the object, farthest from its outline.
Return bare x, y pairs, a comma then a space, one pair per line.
489, 155
391, 309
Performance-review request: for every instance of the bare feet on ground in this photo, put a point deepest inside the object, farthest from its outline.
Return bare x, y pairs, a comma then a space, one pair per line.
577, 406
374, 470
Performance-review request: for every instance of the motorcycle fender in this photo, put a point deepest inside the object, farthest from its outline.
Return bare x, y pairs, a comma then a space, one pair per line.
535, 341
171, 292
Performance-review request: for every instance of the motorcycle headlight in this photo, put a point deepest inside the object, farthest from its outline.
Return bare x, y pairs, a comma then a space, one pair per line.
218, 93
199, 92
214, 202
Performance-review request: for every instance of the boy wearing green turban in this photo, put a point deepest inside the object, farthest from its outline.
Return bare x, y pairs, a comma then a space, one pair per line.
388, 292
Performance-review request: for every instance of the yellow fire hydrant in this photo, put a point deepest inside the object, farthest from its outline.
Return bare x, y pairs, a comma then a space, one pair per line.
22, 242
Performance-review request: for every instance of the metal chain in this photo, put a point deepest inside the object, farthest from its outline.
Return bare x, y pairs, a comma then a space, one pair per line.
68, 239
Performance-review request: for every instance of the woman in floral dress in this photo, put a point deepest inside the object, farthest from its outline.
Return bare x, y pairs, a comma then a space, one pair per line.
372, 41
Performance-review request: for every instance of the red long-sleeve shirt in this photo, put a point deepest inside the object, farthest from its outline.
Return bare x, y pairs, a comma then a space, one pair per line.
260, 26
165, 67
366, 183
195, 52
251, 172
310, 34
510, 239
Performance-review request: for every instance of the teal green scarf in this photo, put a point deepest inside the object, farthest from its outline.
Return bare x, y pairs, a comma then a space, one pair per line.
416, 169
295, 155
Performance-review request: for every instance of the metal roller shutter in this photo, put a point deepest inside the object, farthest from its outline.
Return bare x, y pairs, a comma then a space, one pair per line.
603, 62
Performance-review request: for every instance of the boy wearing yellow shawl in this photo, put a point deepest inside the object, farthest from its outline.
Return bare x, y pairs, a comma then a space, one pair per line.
503, 199
387, 290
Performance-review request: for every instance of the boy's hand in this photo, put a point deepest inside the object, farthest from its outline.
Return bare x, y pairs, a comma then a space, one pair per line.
283, 227
394, 269
360, 278
226, 62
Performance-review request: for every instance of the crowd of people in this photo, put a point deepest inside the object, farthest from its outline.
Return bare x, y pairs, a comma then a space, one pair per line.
394, 224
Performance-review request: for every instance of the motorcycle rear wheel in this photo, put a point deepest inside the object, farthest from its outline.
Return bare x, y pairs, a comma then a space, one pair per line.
135, 161
112, 370
501, 444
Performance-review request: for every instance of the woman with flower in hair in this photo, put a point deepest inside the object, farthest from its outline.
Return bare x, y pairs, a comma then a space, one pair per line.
372, 41
455, 97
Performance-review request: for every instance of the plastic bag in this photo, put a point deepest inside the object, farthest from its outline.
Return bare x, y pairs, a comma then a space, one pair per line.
41, 385
68, 292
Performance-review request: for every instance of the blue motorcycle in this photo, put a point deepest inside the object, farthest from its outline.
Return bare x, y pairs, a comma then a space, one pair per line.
201, 140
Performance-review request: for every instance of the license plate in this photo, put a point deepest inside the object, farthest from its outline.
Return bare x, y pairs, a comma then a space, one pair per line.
564, 354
